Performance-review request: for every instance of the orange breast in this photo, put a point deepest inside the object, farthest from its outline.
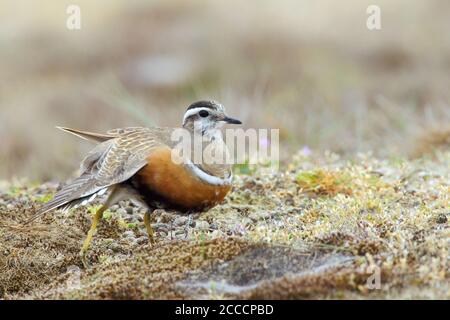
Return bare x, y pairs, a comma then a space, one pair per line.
177, 184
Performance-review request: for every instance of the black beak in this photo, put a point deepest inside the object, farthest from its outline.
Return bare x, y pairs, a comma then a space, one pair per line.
231, 121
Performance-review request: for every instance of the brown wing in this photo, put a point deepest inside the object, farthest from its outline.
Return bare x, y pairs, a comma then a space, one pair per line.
110, 163
86, 135
127, 155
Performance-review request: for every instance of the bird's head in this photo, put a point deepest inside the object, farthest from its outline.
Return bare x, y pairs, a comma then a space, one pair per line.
206, 116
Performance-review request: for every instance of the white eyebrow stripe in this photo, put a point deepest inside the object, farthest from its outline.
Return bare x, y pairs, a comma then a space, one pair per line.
194, 111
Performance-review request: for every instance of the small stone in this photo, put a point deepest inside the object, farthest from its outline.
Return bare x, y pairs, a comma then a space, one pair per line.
256, 216
108, 252
202, 225
143, 232
137, 210
9, 206
129, 210
160, 226
179, 231
441, 218
127, 242
180, 221
162, 234
128, 234
239, 229
73, 269
163, 217
131, 204
130, 219
142, 240
160, 229
114, 246
122, 212
216, 234
213, 226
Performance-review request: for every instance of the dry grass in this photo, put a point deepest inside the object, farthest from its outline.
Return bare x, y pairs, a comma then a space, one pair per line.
432, 140
269, 239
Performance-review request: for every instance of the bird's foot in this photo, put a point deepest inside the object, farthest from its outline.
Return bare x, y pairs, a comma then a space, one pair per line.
84, 260
148, 226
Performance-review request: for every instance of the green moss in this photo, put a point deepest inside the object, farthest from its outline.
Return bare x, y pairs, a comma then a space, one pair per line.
16, 191
132, 225
107, 215
245, 168
324, 182
43, 199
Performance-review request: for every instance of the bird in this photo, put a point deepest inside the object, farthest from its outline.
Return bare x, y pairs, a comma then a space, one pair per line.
145, 164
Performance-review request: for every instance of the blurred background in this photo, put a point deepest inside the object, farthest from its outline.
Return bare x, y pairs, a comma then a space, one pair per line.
310, 68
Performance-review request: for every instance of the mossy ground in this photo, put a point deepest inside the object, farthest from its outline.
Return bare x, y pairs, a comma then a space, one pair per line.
321, 227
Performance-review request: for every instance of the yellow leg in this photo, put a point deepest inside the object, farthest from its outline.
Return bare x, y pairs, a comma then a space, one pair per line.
149, 227
98, 216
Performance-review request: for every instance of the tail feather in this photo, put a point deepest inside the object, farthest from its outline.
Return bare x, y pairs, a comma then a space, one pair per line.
86, 135
80, 188
84, 188
44, 210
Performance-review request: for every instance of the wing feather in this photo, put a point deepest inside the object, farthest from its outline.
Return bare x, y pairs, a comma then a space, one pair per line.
111, 162
86, 135
68, 193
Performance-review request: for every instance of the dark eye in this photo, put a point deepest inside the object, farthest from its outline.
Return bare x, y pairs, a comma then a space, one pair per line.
203, 113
